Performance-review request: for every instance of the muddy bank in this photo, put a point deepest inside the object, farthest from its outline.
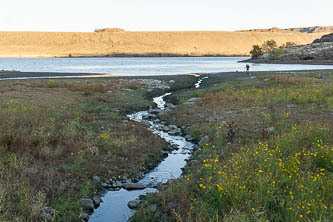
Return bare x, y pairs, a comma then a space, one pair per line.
40, 75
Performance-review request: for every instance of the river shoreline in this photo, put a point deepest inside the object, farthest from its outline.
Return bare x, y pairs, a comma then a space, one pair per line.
303, 62
16, 75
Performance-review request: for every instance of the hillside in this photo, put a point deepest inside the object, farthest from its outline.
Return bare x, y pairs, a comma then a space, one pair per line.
311, 29
320, 51
196, 43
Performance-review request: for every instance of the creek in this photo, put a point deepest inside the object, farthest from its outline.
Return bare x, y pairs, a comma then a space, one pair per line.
114, 206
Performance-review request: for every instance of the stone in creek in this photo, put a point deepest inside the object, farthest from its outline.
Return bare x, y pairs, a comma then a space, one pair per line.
84, 216
170, 106
173, 127
154, 111
165, 154
133, 186
156, 121
106, 185
175, 132
166, 128
149, 116
188, 137
133, 204
87, 204
116, 184
97, 201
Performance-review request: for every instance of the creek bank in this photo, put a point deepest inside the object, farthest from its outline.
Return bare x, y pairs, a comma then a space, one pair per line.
128, 192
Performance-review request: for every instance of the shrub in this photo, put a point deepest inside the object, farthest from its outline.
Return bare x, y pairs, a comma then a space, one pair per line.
256, 51
288, 44
275, 53
269, 45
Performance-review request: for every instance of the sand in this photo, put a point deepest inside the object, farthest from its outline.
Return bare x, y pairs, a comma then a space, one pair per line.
62, 44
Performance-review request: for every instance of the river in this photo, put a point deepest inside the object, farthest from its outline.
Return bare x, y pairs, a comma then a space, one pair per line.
144, 65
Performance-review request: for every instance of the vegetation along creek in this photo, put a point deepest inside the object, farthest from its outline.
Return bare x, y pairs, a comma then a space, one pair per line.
117, 203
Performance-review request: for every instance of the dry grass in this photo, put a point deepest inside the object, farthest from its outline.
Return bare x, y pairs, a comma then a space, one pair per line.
39, 44
69, 131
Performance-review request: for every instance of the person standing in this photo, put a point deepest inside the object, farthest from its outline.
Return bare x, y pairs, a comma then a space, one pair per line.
247, 68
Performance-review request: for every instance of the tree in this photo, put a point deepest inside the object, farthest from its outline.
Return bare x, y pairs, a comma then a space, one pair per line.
288, 44
269, 45
256, 51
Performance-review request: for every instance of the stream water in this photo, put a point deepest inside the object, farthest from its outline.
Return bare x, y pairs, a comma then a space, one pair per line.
114, 207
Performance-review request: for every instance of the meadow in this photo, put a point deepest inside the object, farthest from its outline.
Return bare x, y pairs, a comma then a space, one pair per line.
55, 135
265, 152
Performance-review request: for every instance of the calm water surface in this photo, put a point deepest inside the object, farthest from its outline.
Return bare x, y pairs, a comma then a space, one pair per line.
144, 66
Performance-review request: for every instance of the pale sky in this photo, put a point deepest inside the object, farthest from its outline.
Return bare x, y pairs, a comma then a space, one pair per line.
162, 15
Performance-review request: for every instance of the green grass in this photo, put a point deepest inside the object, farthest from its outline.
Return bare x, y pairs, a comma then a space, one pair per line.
69, 131
265, 161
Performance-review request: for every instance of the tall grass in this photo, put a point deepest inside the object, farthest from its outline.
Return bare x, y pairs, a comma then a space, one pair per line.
267, 156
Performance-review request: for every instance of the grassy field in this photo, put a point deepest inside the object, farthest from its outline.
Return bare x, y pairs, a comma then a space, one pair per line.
55, 135
265, 154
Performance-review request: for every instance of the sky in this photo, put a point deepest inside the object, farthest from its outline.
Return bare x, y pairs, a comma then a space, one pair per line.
162, 15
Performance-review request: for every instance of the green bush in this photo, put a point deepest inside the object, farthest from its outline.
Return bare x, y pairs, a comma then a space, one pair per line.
256, 51
275, 53
269, 45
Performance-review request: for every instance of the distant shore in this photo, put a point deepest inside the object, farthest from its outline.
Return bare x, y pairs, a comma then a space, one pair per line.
134, 55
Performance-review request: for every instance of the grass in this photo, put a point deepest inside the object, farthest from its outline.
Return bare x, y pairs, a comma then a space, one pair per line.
69, 131
267, 153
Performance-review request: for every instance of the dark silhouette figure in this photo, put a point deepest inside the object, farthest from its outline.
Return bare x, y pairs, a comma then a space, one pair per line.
247, 67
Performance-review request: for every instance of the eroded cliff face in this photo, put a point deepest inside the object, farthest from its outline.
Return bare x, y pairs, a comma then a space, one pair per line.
60, 44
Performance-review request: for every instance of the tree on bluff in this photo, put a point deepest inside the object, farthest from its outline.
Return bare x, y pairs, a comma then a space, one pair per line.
270, 48
269, 45
256, 52
266, 47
